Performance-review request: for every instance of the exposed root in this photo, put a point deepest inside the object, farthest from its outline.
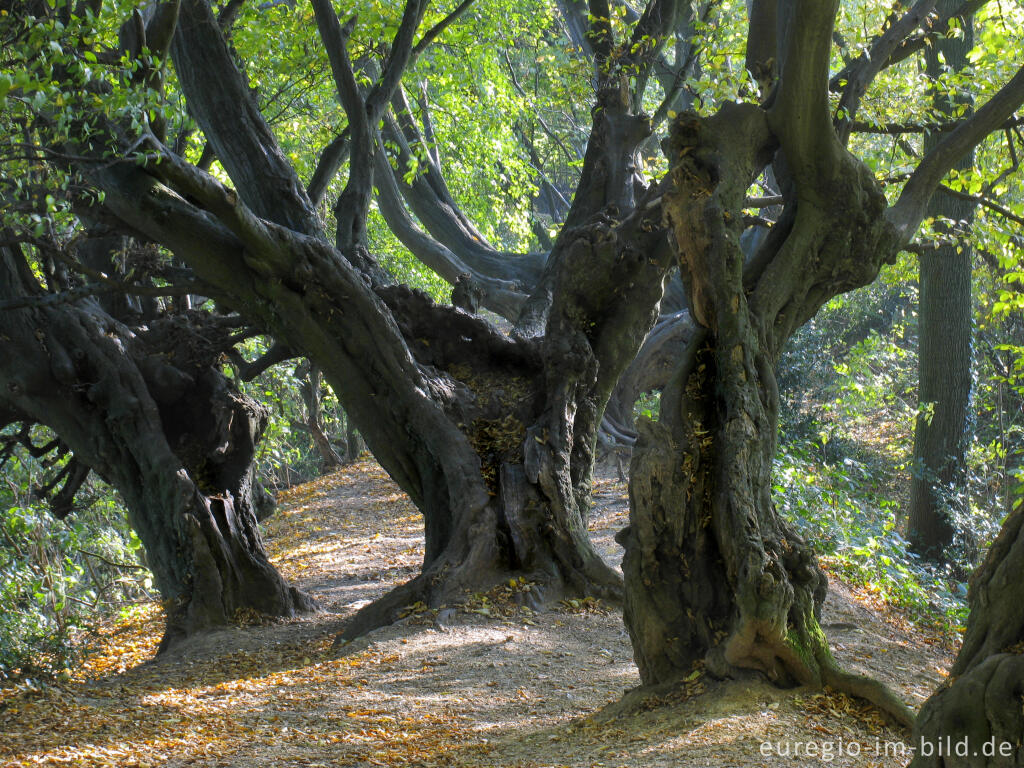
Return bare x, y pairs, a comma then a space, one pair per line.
303, 602
807, 646
784, 667
868, 688
384, 611
804, 658
180, 625
447, 586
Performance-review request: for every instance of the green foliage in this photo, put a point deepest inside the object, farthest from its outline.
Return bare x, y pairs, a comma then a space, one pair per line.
58, 578
842, 474
844, 510
847, 423
59, 85
509, 98
647, 406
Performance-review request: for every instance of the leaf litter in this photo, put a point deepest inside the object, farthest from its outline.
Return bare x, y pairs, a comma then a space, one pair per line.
490, 683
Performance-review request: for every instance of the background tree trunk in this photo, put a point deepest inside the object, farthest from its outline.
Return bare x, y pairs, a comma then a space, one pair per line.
353, 442
938, 492
310, 389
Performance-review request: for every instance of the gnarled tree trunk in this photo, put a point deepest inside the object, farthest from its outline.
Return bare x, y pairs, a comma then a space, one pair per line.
713, 575
530, 409
493, 438
163, 428
976, 718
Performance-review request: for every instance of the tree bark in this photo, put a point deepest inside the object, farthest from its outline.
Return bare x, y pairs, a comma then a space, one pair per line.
650, 371
153, 419
500, 470
530, 409
713, 576
701, 503
310, 387
979, 705
938, 490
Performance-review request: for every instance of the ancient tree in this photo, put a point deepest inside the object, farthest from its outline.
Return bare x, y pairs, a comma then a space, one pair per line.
713, 576
429, 221
979, 705
102, 344
146, 408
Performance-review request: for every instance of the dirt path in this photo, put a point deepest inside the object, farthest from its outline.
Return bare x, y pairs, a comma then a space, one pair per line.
487, 685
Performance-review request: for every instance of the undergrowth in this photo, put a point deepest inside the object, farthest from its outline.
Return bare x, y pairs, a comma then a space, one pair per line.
59, 578
857, 533
842, 472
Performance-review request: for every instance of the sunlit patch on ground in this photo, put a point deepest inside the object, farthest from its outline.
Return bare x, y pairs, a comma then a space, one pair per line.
272, 706
491, 684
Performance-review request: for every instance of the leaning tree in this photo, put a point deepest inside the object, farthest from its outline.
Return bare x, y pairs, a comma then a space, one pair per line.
713, 575
493, 435
142, 402
102, 344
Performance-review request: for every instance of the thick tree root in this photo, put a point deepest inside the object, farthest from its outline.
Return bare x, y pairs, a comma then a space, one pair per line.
824, 671
782, 665
385, 610
867, 688
804, 658
452, 585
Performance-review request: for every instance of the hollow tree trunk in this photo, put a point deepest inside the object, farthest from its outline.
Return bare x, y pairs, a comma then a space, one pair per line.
530, 410
176, 442
713, 513
980, 704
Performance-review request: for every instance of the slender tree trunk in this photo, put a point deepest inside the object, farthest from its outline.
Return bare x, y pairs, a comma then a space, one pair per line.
938, 494
353, 442
329, 458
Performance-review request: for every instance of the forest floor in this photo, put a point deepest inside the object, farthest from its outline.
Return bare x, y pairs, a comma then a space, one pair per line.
490, 684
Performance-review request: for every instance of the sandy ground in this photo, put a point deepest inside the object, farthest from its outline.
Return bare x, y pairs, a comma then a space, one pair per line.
489, 684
